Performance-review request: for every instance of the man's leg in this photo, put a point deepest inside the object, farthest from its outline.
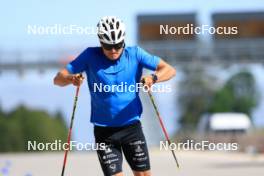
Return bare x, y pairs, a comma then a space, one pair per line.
144, 173
119, 174
110, 157
135, 149
111, 160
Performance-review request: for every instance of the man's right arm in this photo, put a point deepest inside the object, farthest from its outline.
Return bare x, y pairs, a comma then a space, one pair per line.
64, 78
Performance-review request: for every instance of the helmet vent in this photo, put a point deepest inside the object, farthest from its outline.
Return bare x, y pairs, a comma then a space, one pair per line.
111, 26
106, 37
113, 35
119, 34
105, 27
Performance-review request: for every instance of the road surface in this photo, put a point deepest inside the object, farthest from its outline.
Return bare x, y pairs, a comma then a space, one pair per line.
162, 163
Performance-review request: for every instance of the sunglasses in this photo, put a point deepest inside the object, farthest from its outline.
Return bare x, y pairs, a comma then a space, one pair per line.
117, 46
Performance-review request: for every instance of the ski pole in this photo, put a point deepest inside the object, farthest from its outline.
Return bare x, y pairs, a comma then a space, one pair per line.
161, 124
70, 130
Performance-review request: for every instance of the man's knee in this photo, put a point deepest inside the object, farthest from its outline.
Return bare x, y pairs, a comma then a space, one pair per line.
119, 174
142, 173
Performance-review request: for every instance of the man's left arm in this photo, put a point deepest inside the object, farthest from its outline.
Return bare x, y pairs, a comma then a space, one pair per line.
163, 72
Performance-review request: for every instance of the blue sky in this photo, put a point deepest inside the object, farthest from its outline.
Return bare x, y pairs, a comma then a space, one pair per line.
15, 15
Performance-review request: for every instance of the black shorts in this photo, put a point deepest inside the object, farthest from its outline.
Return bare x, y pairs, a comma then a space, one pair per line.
128, 139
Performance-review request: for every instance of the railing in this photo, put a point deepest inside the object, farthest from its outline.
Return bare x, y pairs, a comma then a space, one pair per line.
176, 52
220, 51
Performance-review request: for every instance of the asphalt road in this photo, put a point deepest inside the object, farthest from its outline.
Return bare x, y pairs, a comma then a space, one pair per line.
86, 164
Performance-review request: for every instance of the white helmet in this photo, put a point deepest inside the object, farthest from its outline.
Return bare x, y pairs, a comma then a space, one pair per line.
111, 30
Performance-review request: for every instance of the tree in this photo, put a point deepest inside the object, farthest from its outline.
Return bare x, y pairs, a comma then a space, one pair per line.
199, 93
23, 125
239, 94
195, 95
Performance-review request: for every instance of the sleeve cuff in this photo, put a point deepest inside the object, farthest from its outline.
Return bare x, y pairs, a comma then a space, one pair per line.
70, 68
157, 59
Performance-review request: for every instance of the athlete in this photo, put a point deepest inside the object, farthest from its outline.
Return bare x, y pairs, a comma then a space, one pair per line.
114, 113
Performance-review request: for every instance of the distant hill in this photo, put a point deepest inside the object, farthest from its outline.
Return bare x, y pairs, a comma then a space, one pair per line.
22, 125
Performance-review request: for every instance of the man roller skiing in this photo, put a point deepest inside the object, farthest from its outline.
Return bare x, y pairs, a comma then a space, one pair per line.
114, 113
